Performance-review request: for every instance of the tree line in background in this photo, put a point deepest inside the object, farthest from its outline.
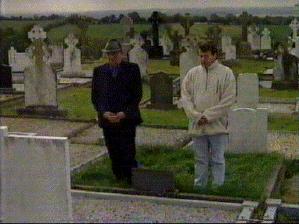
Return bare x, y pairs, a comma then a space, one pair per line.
229, 19
19, 39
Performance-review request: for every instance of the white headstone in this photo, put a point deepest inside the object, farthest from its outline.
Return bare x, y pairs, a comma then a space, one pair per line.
128, 24
40, 79
225, 42
72, 57
35, 179
248, 130
265, 40
248, 124
17, 61
139, 55
188, 60
12, 56
256, 42
253, 38
57, 54
167, 44
230, 53
247, 91
294, 26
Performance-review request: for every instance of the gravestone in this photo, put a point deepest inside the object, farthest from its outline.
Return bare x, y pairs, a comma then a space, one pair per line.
247, 123
161, 85
289, 76
57, 55
156, 51
266, 40
186, 23
72, 58
247, 91
253, 38
128, 25
139, 55
35, 179
188, 60
278, 69
256, 42
12, 53
17, 61
166, 44
230, 53
245, 22
151, 181
40, 80
175, 53
248, 130
5, 77
225, 42
294, 25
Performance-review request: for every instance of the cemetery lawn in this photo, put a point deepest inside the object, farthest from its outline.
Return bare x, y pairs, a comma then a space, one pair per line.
289, 94
78, 103
246, 175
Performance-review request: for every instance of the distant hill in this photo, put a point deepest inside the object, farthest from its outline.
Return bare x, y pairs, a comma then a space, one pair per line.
271, 11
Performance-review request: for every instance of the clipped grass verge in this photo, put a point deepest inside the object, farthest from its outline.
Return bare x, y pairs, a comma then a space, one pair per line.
246, 175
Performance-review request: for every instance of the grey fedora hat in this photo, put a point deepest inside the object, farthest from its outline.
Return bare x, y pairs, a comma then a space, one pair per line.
113, 45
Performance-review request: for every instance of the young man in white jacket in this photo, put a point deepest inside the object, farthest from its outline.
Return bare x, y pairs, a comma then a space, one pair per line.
208, 91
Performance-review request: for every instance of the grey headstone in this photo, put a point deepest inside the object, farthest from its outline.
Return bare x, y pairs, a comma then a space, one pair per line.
35, 179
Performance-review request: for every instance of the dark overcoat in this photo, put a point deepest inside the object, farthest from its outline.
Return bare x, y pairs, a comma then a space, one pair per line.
122, 93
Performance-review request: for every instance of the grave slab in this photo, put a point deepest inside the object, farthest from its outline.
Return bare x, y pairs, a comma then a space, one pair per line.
35, 179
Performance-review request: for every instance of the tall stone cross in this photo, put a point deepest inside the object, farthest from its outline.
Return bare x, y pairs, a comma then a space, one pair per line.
37, 36
186, 24
71, 41
253, 29
294, 26
266, 32
245, 20
155, 20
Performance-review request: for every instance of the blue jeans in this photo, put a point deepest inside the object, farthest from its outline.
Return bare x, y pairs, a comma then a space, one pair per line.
209, 149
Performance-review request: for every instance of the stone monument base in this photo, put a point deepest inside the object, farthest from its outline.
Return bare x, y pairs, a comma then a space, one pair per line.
155, 52
43, 110
153, 181
284, 85
161, 106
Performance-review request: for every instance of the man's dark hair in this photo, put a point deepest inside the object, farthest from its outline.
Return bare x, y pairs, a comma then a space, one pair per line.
209, 47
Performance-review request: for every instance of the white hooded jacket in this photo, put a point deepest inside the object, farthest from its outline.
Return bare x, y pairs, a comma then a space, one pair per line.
208, 93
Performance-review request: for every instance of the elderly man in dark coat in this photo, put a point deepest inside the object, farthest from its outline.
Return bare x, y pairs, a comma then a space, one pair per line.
116, 94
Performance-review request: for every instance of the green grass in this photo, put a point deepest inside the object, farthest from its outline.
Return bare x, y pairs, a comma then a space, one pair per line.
264, 92
246, 175
78, 103
18, 25
284, 124
174, 118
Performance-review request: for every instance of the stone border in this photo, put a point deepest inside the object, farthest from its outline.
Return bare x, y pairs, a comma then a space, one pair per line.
270, 186
159, 200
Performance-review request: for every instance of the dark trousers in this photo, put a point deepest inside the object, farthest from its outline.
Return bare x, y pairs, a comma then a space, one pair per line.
120, 142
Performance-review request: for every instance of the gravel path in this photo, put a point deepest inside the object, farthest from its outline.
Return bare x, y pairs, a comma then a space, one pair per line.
123, 211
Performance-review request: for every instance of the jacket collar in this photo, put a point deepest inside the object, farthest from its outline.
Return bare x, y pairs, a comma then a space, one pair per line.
213, 66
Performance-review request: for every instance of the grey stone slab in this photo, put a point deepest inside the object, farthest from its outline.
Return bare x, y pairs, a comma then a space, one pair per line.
42, 127
247, 90
35, 179
247, 130
80, 153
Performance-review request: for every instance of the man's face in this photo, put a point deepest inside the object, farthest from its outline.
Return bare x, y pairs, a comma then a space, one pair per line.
115, 58
207, 58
